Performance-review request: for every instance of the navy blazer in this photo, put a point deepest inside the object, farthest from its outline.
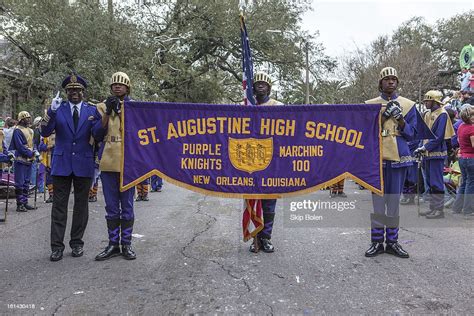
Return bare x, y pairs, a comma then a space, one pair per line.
73, 151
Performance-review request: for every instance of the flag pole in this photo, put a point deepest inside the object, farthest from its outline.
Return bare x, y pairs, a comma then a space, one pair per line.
253, 211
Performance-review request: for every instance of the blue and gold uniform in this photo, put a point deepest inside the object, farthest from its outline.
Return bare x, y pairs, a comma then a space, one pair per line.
268, 205
409, 187
398, 128
22, 144
118, 205
262, 89
435, 152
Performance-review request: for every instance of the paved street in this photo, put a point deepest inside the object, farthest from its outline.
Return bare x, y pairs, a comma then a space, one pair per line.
191, 259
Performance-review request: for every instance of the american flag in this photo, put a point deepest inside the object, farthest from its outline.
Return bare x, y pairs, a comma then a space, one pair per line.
247, 65
253, 211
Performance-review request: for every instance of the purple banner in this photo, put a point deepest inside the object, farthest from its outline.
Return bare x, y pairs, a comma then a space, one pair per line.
251, 151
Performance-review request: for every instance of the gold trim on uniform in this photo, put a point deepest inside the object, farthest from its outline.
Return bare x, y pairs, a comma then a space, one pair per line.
406, 159
113, 139
390, 127
112, 154
431, 117
28, 133
437, 154
272, 102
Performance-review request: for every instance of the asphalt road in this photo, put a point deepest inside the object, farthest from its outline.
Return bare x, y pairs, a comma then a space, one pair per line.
191, 259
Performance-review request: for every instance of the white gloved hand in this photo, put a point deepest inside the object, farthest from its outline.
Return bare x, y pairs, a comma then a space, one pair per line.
419, 151
37, 155
11, 158
56, 102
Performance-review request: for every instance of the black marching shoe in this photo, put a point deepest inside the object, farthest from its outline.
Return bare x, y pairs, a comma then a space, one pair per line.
145, 198
426, 212
92, 198
436, 214
128, 253
138, 199
375, 249
77, 251
266, 245
396, 250
255, 247
29, 207
407, 201
49, 200
21, 208
109, 252
56, 255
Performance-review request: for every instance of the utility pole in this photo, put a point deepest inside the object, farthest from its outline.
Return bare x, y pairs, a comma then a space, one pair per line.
307, 72
110, 8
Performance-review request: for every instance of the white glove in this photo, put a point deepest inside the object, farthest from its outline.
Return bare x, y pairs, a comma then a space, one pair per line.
419, 151
37, 155
396, 112
11, 158
56, 102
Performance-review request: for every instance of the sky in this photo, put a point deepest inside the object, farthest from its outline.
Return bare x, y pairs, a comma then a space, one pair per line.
344, 25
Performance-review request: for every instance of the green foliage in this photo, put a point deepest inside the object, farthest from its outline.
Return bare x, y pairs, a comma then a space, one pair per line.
426, 57
189, 51
183, 50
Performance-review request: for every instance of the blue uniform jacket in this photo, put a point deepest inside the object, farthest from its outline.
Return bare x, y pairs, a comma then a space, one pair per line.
100, 132
407, 134
73, 151
437, 148
20, 145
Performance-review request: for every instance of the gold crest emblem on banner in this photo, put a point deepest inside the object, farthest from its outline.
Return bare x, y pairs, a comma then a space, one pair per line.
250, 154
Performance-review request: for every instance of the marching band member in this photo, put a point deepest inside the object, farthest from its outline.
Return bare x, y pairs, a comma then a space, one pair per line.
118, 205
398, 128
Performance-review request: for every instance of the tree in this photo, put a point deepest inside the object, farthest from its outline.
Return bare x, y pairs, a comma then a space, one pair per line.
425, 56
198, 41
56, 38
180, 51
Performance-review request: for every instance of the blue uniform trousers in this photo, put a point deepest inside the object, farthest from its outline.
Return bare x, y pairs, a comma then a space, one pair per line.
119, 209
434, 177
156, 183
22, 182
409, 188
386, 207
41, 177
268, 207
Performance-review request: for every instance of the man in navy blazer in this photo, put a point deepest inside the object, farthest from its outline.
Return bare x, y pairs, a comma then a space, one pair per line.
72, 163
